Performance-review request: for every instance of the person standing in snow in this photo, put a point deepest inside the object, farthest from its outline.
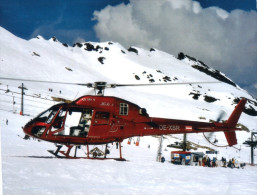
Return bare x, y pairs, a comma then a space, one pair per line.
230, 163
180, 160
183, 161
200, 162
214, 162
233, 163
208, 162
225, 162
204, 161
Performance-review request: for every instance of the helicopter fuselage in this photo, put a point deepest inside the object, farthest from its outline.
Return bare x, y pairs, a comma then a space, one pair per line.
105, 119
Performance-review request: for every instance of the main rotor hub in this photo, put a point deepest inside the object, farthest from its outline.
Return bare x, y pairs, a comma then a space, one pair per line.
99, 87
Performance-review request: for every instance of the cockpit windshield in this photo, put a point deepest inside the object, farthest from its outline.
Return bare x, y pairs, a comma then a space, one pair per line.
48, 115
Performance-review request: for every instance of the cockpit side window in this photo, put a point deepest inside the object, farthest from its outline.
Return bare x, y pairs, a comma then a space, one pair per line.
124, 109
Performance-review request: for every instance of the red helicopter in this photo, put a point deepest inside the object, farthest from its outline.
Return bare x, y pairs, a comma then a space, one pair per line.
98, 119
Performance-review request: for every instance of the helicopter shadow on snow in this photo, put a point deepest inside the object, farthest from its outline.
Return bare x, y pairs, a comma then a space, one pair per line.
46, 157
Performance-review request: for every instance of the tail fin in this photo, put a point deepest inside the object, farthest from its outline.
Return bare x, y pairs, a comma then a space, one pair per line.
234, 117
232, 122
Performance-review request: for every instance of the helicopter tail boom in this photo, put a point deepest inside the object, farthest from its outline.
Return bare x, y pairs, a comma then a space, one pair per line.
161, 126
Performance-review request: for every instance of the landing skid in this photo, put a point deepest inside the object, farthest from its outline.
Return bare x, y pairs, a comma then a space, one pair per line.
62, 154
71, 157
56, 155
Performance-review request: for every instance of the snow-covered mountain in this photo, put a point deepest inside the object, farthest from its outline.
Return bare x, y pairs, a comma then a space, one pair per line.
89, 62
51, 60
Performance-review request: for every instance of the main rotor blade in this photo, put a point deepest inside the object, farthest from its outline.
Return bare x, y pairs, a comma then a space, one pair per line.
158, 84
42, 81
103, 85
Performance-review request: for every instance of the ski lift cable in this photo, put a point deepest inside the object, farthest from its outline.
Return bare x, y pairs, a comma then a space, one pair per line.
16, 92
36, 90
10, 95
39, 98
18, 97
47, 93
28, 95
31, 116
213, 143
3, 102
168, 140
6, 110
37, 101
29, 106
217, 145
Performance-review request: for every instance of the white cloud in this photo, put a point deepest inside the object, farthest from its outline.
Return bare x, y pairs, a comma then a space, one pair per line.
225, 41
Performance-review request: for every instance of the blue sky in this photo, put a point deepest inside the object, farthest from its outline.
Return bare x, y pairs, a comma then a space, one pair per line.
29, 18
230, 5
50, 18
221, 33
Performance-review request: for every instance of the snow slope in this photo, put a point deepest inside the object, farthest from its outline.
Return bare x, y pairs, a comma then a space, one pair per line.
29, 169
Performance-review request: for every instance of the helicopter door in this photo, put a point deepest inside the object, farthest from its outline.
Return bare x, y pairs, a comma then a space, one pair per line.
78, 122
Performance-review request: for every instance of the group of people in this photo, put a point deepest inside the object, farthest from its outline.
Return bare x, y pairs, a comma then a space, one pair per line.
180, 161
223, 162
231, 163
51, 90
207, 162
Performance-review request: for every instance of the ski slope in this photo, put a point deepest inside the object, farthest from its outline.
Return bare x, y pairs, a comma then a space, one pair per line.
28, 168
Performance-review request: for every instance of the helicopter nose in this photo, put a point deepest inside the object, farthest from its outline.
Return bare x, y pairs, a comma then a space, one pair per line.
27, 130
34, 131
